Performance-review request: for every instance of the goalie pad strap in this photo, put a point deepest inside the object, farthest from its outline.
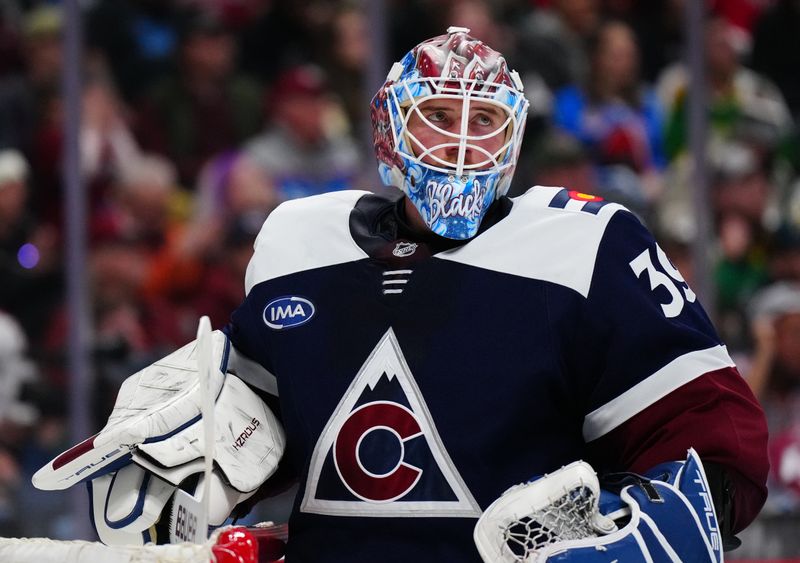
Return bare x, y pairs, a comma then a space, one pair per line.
125, 504
722, 491
128, 506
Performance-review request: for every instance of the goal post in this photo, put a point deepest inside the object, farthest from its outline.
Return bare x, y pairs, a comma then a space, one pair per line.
263, 543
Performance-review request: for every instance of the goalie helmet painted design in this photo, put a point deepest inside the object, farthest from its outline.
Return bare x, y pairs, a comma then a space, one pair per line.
451, 194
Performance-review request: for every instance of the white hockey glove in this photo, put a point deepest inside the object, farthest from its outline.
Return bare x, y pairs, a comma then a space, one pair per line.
665, 516
153, 442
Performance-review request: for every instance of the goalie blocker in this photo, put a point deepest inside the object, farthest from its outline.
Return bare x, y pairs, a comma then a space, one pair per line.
153, 444
666, 515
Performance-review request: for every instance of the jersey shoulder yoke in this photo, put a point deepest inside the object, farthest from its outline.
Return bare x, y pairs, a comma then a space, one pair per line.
551, 234
303, 234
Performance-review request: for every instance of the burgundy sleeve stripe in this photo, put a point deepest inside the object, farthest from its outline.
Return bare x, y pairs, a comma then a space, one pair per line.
678, 372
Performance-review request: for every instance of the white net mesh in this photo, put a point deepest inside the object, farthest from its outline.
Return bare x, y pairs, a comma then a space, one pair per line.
569, 517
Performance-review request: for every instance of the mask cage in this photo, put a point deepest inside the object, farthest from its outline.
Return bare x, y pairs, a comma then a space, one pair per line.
405, 98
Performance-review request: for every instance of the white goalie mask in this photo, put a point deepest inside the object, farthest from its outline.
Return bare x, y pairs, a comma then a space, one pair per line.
447, 126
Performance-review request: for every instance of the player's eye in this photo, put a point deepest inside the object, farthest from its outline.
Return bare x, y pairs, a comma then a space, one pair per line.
483, 120
437, 116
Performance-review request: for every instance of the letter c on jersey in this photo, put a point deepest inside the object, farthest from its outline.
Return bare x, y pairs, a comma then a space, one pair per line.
368, 486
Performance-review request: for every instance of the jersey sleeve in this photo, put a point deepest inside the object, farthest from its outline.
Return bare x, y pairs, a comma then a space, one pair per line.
656, 376
299, 235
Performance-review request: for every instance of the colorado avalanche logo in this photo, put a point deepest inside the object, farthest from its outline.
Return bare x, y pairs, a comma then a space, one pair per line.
368, 480
380, 453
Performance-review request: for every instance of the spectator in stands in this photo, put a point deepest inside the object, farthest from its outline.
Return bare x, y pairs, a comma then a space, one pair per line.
207, 107
660, 28
222, 290
741, 193
29, 270
741, 16
17, 416
23, 96
109, 153
277, 35
784, 255
137, 38
10, 45
31, 108
108, 147
561, 160
230, 186
553, 42
130, 328
145, 203
480, 18
777, 28
347, 59
129, 324
232, 183
137, 327
774, 376
306, 148
616, 116
742, 102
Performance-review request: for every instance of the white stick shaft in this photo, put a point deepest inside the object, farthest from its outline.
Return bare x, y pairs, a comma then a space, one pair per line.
205, 360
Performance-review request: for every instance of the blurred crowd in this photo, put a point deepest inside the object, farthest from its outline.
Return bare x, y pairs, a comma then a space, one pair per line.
198, 117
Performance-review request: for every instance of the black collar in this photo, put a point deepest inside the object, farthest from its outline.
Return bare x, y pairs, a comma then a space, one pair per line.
378, 221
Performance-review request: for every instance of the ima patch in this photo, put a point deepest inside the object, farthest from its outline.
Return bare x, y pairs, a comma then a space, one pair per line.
288, 312
380, 453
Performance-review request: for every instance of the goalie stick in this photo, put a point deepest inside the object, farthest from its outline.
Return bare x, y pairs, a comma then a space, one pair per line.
189, 515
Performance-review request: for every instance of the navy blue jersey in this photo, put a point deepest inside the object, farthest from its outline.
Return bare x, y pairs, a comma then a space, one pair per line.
416, 384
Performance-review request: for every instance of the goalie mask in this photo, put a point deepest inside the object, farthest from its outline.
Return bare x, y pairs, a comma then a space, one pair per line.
447, 127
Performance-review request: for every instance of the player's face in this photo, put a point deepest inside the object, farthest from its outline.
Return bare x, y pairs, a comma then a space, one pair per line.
485, 127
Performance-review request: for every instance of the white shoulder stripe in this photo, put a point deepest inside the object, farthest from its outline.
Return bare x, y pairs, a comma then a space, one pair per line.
303, 234
678, 372
540, 242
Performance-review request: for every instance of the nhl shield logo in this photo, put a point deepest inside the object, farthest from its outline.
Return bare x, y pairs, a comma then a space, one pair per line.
380, 453
403, 249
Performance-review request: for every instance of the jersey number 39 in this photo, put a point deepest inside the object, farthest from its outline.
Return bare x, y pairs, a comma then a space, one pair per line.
667, 276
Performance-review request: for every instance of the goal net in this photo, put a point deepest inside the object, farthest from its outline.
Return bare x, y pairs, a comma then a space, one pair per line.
263, 543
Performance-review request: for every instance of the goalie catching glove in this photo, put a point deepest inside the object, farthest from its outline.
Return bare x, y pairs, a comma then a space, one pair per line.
667, 515
153, 443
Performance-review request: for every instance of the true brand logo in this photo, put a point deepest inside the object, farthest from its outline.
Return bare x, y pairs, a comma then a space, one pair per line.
444, 204
96, 463
288, 312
